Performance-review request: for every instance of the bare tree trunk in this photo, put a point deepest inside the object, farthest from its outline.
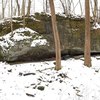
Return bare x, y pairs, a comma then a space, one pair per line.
23, 12
81, 7
87, 57
64, 8
43, 5
72, 5
47, 6
99, 15
69, 7
9, 14
14, 11
3, 9
29, 7
56, 36
11, 18
34, 6
18, 6
95, 10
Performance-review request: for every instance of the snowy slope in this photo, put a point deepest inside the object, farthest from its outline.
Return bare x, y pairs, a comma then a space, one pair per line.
39, 81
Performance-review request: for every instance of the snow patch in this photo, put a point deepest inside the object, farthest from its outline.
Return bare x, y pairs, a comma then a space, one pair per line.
97, 26
38, 42
18, 35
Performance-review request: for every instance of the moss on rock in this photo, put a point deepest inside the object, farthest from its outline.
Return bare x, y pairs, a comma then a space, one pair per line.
71, 30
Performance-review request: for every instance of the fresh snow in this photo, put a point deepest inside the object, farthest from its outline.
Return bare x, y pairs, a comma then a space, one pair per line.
73, 82
18, 35
38, 42
96, 26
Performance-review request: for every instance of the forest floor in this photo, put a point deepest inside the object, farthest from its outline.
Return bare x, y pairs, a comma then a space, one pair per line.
39, 80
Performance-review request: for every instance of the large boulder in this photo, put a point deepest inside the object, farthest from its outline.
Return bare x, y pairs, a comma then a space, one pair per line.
28, 45
21, 42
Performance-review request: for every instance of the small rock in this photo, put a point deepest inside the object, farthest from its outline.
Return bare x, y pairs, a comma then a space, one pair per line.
61, 81
54, 63
50, 81
62, 75
74, 87
31, 95
29, 74
20, 74
41, 88
10, 70
97, 70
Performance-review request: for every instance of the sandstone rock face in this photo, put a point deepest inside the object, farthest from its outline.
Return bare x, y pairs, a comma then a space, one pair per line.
28, 45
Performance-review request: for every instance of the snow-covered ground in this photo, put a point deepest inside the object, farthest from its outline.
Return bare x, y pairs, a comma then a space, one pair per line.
39, 81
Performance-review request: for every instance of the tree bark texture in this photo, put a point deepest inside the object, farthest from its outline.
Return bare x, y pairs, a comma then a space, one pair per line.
87, 61
29, 7
23, 12
18, 6
56, 36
